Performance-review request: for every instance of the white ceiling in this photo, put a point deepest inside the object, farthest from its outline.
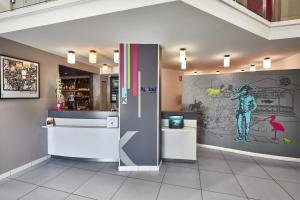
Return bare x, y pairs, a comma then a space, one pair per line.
173, 25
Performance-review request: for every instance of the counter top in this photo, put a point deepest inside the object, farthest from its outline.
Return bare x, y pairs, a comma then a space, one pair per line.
187, 115
90, 114
69, 126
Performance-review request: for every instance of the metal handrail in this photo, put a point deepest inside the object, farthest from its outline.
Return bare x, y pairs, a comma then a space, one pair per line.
275, 10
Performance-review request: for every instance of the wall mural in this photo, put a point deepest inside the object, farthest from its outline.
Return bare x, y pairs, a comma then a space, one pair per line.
247, 104
247, 111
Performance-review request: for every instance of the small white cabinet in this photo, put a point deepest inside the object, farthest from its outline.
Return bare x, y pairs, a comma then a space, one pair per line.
179, 143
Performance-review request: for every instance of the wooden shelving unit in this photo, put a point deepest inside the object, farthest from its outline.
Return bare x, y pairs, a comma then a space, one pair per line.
80, 89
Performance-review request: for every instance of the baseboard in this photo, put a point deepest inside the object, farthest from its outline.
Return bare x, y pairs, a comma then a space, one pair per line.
23, 167
250, 153
139, 168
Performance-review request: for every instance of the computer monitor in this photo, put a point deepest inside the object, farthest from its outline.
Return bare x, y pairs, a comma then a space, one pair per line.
176, 121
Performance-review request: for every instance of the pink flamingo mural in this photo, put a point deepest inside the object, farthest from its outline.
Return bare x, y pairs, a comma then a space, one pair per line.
277, 127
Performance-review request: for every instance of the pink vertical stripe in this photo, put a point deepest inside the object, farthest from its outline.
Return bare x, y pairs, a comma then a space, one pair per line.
135, 70
122, 64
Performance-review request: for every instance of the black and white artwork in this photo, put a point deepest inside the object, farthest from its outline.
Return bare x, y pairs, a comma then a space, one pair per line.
19, 78
271, 127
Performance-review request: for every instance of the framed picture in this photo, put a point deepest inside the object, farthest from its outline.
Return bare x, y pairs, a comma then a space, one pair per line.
20, 79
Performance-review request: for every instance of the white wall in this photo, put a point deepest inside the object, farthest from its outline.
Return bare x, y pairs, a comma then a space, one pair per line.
291, 62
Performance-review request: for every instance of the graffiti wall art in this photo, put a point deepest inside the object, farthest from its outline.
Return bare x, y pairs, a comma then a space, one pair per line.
252, 111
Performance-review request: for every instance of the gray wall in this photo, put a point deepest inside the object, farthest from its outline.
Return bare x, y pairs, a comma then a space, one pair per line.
22, 138
276, 92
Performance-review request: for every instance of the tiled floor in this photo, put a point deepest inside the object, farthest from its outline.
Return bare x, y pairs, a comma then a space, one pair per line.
215, 176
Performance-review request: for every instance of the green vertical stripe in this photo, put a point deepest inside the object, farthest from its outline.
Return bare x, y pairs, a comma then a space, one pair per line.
128, 66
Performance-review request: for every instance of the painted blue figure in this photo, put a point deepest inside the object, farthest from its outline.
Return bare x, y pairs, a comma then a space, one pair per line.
245, 107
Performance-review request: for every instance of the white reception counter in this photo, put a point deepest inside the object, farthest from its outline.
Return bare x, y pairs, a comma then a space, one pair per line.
83, 134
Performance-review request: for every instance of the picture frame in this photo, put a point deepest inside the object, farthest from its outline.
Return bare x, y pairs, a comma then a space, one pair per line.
19, 78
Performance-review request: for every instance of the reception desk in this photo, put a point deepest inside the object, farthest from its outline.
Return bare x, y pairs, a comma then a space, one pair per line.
83, 134
179, 144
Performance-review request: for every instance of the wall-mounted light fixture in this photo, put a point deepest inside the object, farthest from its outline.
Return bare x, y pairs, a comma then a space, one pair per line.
252, 68
71, 57
195, 73
93, 56
227, 61
267, 63
116, 56
218, 72
12, 1
183, 64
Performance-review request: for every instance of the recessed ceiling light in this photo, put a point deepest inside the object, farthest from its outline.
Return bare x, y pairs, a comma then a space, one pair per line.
93, 56
182, 55
252, 68
267, 63
227, 61
71, 57
116, 56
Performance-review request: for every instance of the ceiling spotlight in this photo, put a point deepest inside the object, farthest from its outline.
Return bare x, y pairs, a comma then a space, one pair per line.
93, 56
226, 60
116, 56
252, 68
218, 72
195, 73
182, 55
267, 63
183, 64
71, 57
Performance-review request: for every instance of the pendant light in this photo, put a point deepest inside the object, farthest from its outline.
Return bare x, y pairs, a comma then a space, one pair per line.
227, 61
182, 55
116, 56
267, 63
183, 64
93, 56
71, 57
105, 68
252, 68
